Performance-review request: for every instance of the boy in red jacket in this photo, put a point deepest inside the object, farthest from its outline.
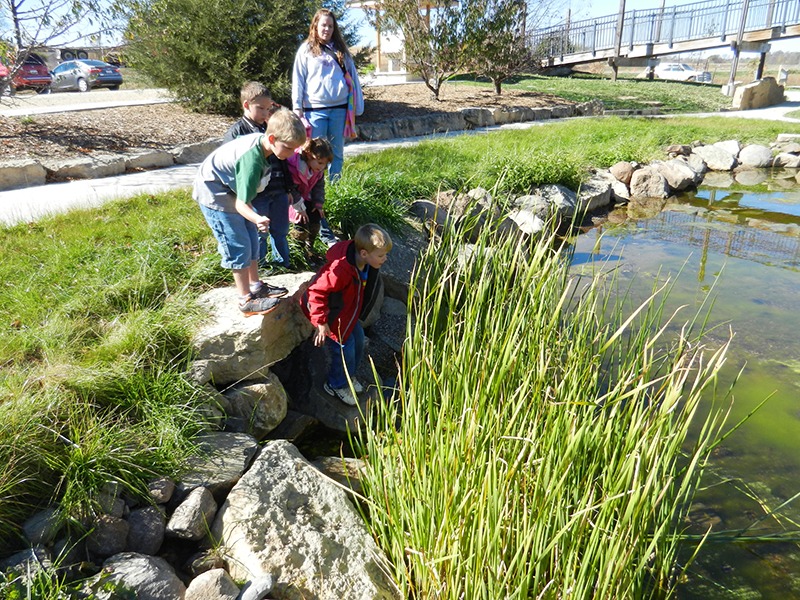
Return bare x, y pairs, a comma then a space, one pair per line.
335, 300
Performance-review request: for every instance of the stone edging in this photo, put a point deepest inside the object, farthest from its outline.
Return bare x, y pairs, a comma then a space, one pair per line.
27, 173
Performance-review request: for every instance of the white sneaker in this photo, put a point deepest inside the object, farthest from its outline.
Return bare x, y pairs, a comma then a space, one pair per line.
344, 394
357, 385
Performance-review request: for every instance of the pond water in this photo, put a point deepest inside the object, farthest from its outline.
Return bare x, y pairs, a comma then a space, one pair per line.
741, 248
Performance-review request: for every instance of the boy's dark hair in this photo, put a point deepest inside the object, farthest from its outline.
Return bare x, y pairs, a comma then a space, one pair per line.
318, 149
370, 237
252, 90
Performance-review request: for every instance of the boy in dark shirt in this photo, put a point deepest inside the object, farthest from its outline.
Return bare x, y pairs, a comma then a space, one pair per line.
274, 200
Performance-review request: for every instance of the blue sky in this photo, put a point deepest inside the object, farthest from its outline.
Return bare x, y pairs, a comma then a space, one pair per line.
587, 10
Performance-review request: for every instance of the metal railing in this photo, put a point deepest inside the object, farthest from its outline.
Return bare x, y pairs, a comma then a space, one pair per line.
687, 22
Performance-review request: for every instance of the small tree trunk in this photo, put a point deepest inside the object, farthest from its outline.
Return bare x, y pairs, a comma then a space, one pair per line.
497, 83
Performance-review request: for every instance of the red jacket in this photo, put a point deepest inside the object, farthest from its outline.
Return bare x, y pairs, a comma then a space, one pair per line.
336, 295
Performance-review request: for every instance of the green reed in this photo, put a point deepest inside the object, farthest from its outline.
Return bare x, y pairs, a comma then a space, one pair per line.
538, 445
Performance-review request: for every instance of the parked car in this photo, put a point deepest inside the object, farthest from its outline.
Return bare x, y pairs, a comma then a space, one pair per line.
85, 75
681, 72
31, 75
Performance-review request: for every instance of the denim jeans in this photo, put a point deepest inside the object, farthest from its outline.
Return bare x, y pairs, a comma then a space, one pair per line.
345, 356
237, 238
330, 124
275, 205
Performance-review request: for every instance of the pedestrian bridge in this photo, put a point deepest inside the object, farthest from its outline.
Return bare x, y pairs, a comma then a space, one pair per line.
637, 35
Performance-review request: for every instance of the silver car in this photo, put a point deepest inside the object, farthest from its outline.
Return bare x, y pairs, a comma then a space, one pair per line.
84, 75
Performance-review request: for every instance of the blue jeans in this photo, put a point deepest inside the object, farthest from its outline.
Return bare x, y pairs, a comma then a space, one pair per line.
237, 238
345, 356
275, 205
330, 124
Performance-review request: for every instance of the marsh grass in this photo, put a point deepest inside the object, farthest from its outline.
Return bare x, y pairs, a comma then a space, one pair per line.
97, 308
537, 447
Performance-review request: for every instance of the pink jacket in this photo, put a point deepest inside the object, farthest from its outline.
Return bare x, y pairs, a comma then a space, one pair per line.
311, 185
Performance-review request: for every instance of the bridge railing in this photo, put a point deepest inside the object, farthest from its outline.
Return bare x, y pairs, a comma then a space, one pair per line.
686, 22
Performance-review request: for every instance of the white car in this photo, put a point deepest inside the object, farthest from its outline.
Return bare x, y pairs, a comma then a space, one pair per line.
681, 72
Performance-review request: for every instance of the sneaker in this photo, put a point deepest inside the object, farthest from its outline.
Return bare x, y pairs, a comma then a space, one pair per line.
344, 394
270, 291
257, 306
357, 385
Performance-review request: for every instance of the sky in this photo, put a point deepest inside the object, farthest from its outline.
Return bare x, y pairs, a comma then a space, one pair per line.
586, 10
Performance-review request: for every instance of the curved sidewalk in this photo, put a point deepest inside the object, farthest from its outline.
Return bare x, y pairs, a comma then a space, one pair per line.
29, 204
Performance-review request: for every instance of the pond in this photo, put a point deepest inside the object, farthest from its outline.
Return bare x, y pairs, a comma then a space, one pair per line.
740, 247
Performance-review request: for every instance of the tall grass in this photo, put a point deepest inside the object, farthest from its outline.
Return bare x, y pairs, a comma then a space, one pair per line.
536, 449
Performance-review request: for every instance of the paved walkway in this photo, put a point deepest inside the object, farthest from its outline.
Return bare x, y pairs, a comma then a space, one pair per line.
29, 204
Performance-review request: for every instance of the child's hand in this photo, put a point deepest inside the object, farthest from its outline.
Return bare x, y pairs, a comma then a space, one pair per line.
320, 335
303, 216
320, 211
262, 223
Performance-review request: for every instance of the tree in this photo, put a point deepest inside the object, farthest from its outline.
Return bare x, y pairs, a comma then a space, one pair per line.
203, 50
26, 25
435, 40
497, 46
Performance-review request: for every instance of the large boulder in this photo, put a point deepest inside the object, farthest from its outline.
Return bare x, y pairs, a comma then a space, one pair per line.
285, 518
716, 157
648, 182
761, 93
231, 347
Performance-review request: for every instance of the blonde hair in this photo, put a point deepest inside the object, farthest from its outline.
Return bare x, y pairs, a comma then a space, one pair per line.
286, 127
252, 90
318, 149
370, 237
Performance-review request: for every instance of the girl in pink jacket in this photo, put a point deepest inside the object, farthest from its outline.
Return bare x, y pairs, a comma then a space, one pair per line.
307, 169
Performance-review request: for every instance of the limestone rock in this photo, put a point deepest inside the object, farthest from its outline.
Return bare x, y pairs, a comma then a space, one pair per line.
151, 577
756, 156
647, 182
231, 347
212, 585
222, 459
623, 171
285, 518
256, 406
193, 517
716, 158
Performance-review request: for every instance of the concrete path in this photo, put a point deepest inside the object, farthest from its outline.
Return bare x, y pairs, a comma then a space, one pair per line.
29, 204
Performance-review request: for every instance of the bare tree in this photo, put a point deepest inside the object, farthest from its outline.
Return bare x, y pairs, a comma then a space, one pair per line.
435, 37
29, 24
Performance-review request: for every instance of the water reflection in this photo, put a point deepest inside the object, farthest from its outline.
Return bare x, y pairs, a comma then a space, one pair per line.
741, 247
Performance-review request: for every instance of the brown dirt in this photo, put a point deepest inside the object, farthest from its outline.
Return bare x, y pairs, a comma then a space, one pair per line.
164, 126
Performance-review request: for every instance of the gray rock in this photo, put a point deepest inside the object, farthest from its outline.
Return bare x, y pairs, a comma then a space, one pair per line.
732, 146
756, 156
149, 159
258, 588
716, 158
285, 518
161, 489
86, 168
478, 117
347, 472
193, 517
678, 174
528, 222
212, 585
594, 193
151, 577
195, 152
222, 459
549, 201
21, 173
758, 94
43, 527
259, 405
109, 536
785, 160
648, 182
146, 528
28, 562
